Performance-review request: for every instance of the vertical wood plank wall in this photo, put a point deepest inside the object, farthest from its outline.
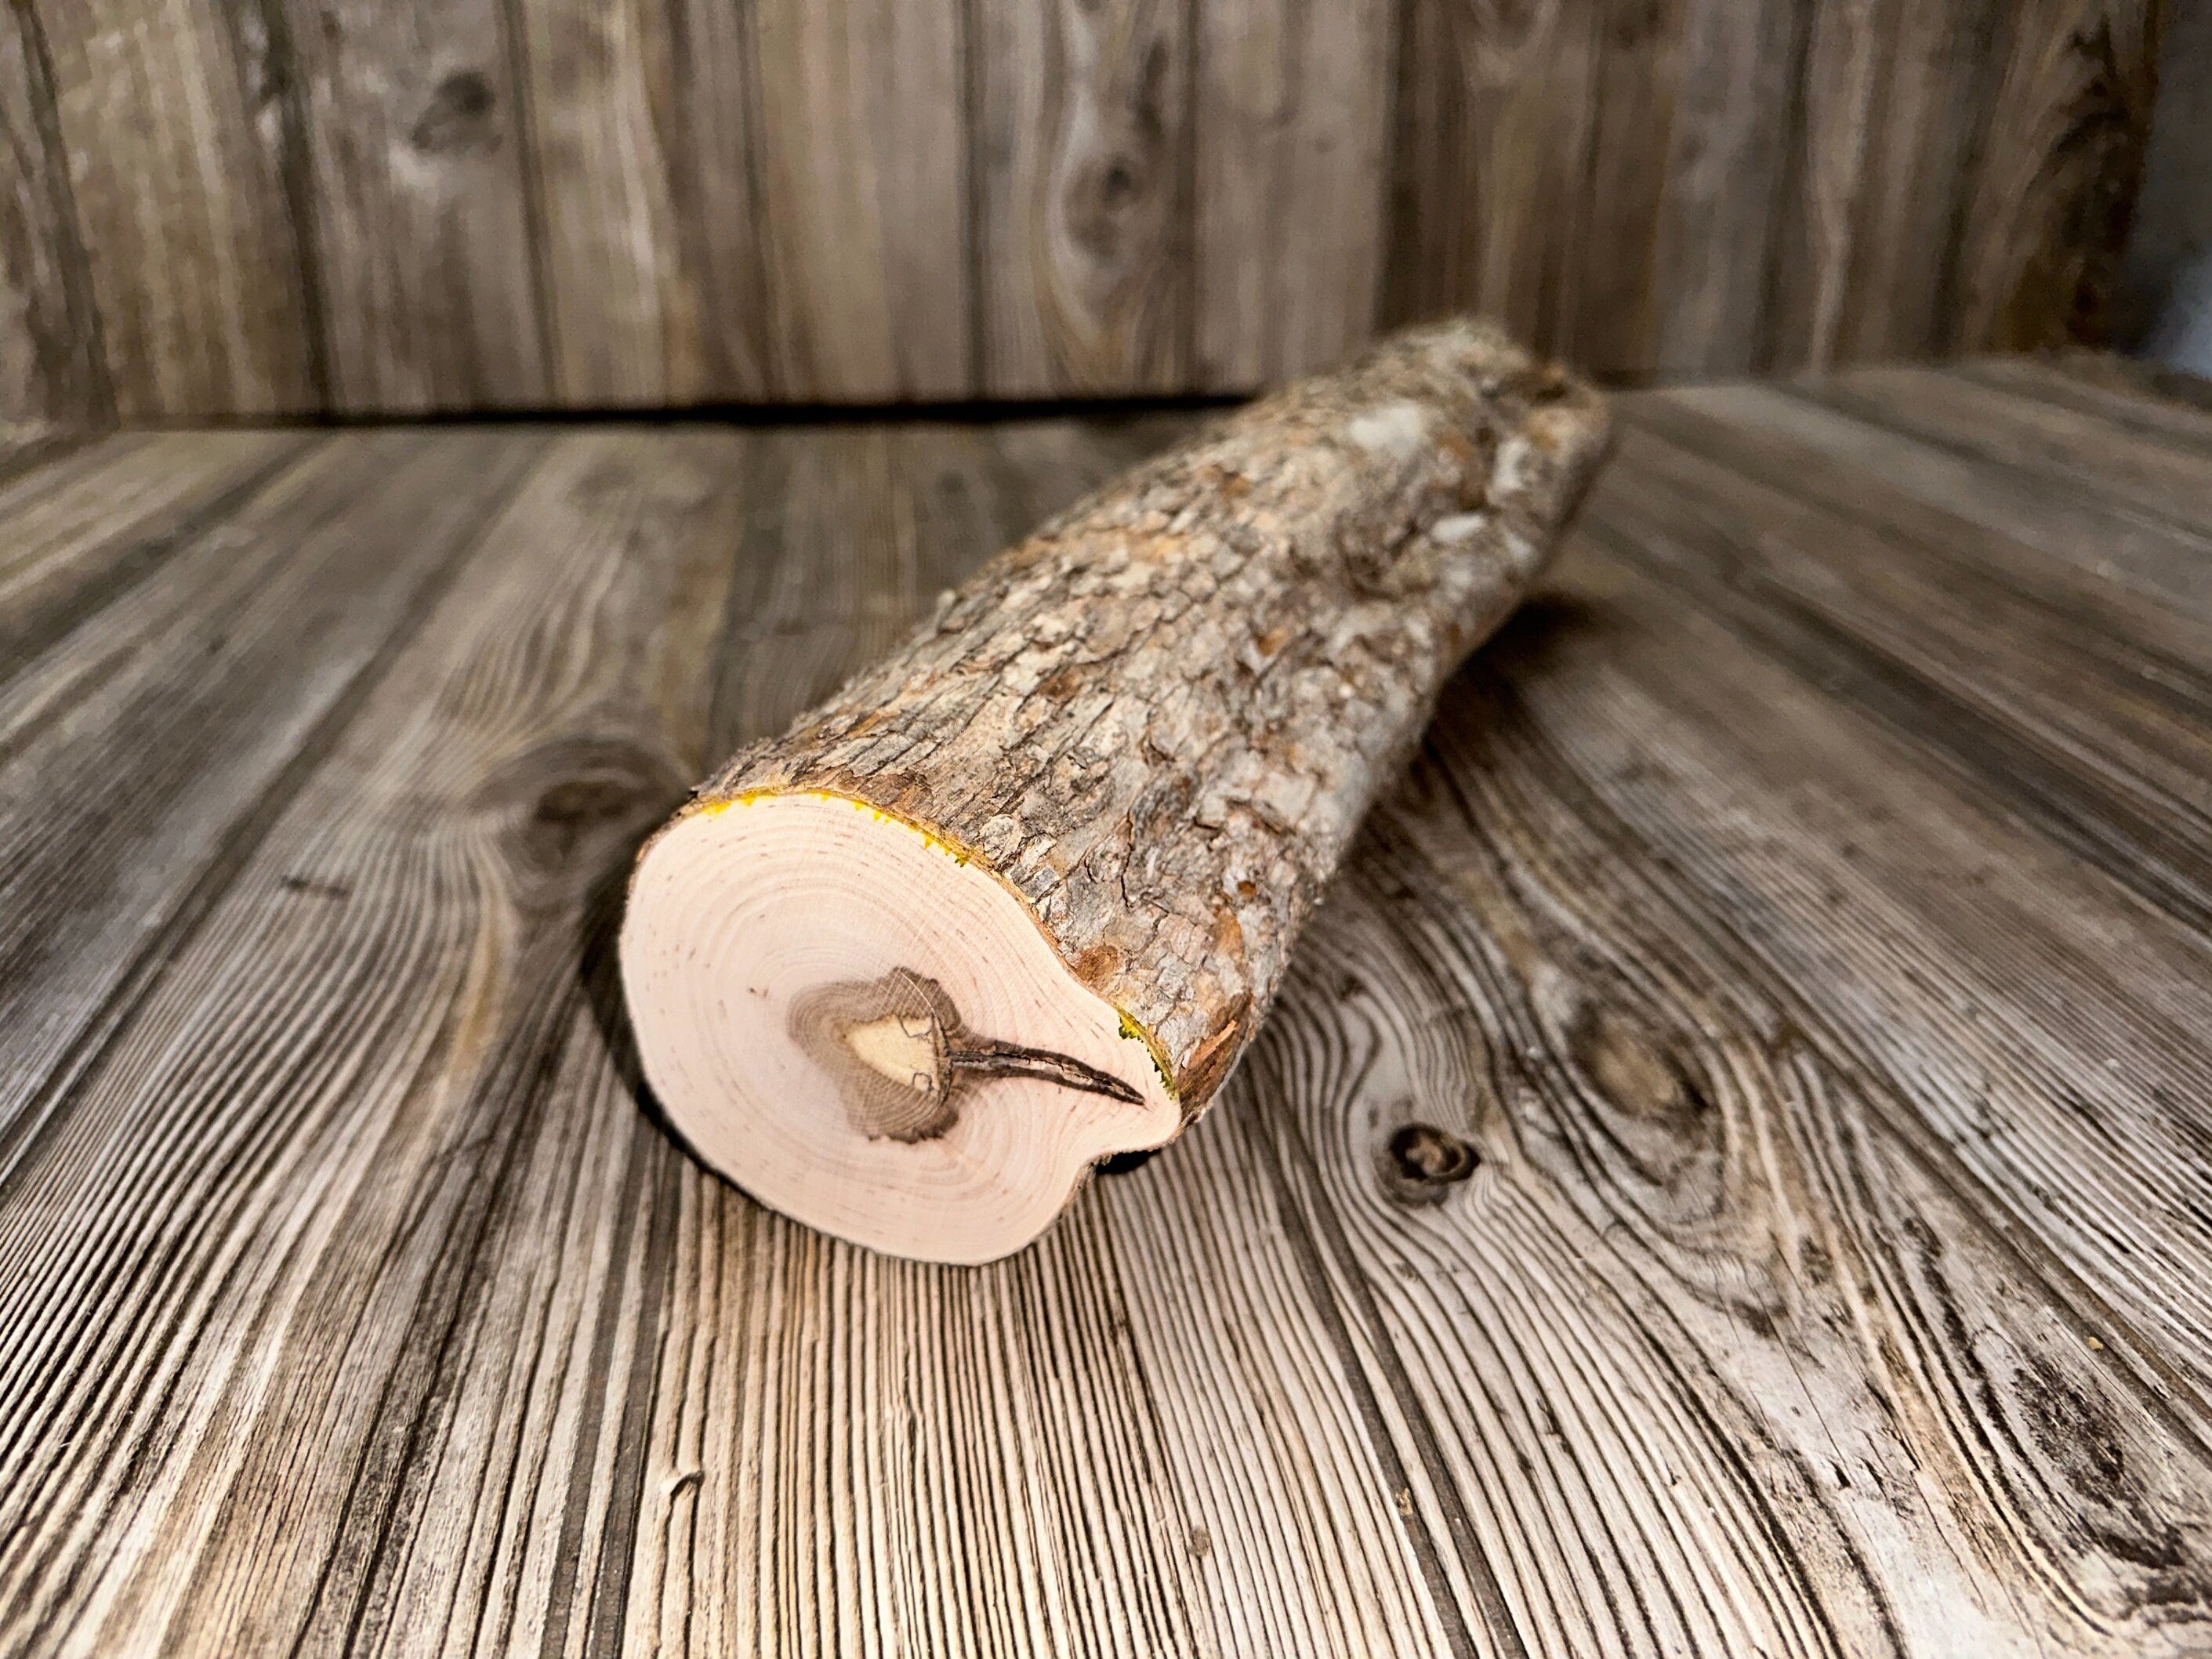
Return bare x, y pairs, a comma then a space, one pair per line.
256, 207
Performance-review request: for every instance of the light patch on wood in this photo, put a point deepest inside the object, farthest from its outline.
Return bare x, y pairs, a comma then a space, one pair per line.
1397, 431
899, 1047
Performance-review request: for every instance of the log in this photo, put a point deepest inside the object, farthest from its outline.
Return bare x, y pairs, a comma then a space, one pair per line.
1014, 900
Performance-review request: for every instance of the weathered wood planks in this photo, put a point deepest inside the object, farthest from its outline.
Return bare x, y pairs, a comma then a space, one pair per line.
1731, 1173
181, 131
1082, 141
1290, 191
54, 365
863, 152
418, 221
212, 209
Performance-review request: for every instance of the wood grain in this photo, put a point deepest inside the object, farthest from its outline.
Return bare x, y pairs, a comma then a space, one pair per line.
2168, 406
181, 125
220, 207
413, 155
1605, 317
2143, 474
24, 445
717, 184
1720, 209
52, 366
423, 889
1729, 1172
863, 152
1495, 116
2169, 563
85, 525
1932, 89
1291, 139
2053, 187
2172, 220
621, 321
1825, 169
288, 621
1082, 228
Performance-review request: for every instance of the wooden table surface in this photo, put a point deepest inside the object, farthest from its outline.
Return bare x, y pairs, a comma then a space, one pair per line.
1803, 912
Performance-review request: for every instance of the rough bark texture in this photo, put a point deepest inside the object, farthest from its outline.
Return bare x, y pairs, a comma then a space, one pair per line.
1159, 719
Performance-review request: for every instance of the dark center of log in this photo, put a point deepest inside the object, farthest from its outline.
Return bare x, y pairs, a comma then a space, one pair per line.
902, 1057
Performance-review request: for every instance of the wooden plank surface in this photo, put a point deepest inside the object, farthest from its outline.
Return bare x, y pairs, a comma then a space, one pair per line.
52, 367
412, 156
237, 631
1497, 117
2058, 165
622, 319
864, 210
1719, 230
1290, 194
1730, 1173
1082, 196
242, 207
2172, 219
182, 127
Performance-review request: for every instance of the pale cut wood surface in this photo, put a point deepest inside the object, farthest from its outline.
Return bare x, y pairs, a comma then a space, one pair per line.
1731, 1173
218, 208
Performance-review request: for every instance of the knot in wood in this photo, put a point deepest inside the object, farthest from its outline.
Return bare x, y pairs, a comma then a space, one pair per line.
901, 1056
459, 116
1422, 1161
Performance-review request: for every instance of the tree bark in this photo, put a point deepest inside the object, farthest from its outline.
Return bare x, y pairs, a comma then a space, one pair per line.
1153, 726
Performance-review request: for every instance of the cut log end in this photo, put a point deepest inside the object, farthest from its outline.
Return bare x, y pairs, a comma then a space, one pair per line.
870, 1033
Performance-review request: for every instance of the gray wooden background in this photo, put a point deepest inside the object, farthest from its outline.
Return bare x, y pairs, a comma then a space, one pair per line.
2164, 304
250, 207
